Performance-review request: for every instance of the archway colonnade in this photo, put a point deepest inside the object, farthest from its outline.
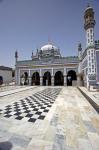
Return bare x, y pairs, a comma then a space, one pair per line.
48, 78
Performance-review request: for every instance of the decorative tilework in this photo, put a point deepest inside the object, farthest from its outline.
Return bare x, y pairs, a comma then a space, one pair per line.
32, 107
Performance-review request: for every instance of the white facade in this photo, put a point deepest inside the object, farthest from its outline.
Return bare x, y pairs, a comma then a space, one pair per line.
81, 69
48, 67
87, 57
6, 76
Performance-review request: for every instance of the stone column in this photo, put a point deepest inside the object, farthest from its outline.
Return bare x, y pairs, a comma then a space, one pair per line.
29, 80
52, 80
41, 80
19, 78
65, 77
65, 80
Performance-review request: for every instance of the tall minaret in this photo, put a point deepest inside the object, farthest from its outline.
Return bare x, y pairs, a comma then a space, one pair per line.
16, 71
80, 57
90, 46
16, 56
79, 51
89, 25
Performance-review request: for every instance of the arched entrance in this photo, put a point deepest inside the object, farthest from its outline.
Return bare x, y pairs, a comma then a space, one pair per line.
47, 78
1, 80
71, 76
24, 79
58, 78
35, 79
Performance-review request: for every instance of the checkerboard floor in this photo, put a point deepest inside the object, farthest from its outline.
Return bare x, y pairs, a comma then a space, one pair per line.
32, 107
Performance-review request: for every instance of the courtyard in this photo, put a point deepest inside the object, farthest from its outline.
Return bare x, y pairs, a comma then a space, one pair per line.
47, 118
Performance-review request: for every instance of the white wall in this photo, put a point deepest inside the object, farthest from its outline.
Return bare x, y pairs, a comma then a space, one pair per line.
7, 76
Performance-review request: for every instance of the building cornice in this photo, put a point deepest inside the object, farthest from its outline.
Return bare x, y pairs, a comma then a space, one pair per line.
48, 66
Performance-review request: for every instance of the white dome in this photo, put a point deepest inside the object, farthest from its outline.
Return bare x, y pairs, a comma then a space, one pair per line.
48, 47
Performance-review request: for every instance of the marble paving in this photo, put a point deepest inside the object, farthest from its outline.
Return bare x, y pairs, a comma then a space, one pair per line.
32, 107
70, 123
9, 87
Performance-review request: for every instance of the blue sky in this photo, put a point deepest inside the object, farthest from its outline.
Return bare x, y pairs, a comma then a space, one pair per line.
26, 25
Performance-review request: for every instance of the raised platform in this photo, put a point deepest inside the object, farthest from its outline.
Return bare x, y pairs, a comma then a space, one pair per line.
92, 97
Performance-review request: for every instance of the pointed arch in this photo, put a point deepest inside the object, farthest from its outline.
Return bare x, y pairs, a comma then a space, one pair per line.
47, 78
35, 79
58, 78
71, 76
24, 79
1, 80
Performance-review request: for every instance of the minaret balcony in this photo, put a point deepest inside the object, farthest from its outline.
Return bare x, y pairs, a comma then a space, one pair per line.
89, 24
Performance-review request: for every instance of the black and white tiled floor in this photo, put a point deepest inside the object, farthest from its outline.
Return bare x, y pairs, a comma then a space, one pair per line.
33, 107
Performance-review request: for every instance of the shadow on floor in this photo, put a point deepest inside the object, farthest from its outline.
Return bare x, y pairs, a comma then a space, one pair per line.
5, 145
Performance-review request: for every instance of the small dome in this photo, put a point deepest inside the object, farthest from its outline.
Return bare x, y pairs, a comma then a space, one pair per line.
48, 51
48, 47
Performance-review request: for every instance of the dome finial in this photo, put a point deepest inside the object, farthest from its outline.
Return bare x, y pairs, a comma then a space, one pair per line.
88, 5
